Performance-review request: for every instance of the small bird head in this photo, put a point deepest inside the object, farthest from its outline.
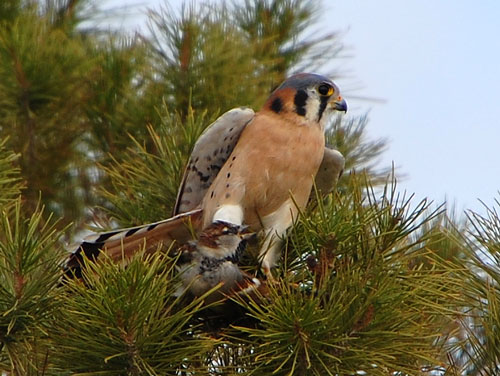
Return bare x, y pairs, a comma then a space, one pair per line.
224, 239
312, 96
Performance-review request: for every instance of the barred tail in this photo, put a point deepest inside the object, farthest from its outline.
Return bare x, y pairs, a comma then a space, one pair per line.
124, 243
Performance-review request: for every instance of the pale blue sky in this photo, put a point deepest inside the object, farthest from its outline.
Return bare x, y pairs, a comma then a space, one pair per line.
436, 64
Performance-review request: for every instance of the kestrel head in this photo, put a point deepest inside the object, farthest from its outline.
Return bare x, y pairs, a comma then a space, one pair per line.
309, 95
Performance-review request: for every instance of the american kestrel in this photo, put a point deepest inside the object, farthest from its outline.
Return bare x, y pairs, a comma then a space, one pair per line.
252, 169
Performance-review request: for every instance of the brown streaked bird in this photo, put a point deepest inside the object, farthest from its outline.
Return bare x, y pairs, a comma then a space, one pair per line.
213, 260
247, 168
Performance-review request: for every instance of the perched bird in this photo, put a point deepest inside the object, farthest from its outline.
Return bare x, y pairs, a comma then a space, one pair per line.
254, 169
213, 148
268, 177
213, 259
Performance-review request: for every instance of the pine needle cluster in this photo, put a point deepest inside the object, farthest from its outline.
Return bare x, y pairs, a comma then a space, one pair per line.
357, 294
130, 314
370, 281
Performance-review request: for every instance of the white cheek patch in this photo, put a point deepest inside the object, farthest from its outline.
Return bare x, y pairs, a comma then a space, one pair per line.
312, 107
229, 213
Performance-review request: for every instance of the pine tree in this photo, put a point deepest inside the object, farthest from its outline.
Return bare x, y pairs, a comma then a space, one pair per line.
29, 273
42, 85
370, 282
481, 351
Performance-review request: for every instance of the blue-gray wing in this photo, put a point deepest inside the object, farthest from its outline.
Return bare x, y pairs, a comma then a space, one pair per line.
209, 154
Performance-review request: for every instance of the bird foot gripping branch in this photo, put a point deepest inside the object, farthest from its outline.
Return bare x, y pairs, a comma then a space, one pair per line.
247, 169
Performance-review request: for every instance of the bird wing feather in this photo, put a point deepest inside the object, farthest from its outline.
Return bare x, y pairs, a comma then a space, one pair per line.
209, 154
329, 171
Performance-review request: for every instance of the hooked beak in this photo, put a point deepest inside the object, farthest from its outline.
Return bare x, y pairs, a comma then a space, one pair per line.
340, 104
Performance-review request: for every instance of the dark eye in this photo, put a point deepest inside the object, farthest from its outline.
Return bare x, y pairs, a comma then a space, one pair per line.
229, 230
325, 89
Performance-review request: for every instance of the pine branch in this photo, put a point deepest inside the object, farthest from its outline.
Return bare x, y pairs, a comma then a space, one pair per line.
480, 350
126, 320
348, 135
10, 177
29, 272
144, 183
355, 295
